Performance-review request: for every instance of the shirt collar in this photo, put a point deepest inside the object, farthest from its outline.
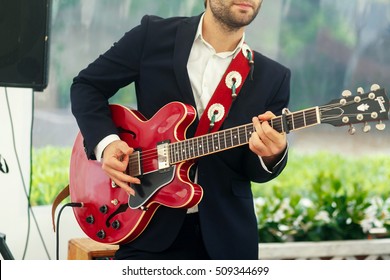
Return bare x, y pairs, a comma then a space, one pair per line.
199, 36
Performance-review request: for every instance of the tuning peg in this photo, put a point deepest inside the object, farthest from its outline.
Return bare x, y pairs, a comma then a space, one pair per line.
380, 126
352, 129
366, 127
346, 93
375, 87
360, 90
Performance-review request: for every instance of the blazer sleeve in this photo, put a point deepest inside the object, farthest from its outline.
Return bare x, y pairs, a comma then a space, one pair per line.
277, 101
93, 86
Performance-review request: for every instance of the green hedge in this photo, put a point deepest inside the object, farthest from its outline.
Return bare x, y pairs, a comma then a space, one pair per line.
50, 173
325, 196
319, 196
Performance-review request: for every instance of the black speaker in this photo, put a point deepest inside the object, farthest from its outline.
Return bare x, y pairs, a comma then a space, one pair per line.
24, 43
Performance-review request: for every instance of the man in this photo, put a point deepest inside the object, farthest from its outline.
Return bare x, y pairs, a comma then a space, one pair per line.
184, 59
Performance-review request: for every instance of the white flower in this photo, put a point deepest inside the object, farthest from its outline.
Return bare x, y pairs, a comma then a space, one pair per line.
283, 228
278, 216
297, 221
366, 225
322, 216
307, 203
259, 201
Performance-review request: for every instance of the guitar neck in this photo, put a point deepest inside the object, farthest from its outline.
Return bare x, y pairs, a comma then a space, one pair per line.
233, 137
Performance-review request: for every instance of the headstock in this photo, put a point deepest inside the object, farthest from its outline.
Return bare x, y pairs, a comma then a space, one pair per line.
372, 106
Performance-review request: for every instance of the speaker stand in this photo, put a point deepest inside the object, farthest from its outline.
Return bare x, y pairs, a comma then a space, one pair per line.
4, 250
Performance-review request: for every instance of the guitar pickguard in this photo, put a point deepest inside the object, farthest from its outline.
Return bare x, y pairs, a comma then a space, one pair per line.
150, 184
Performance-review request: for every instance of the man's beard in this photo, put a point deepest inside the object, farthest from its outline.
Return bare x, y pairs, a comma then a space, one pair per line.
229, 20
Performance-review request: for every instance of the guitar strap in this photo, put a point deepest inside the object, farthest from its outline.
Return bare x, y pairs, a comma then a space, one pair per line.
64, 193
227, 90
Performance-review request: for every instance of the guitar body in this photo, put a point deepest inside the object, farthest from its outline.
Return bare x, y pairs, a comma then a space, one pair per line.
109, 215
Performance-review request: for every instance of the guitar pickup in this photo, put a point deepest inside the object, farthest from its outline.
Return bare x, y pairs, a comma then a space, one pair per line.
163, 155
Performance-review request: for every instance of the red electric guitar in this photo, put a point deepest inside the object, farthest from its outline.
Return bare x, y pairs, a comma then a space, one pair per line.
163, 157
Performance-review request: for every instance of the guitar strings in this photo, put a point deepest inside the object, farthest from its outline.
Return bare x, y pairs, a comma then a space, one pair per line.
150, 157
184, 145
187, 146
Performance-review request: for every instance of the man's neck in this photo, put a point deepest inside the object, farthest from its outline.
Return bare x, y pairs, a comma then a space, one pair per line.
219, 36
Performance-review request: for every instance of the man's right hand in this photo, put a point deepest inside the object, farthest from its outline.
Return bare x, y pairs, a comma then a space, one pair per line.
115, 161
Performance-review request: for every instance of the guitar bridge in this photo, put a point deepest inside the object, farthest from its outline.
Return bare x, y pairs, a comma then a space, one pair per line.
163, 155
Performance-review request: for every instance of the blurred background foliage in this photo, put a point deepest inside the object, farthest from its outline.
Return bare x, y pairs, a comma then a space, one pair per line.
325, 196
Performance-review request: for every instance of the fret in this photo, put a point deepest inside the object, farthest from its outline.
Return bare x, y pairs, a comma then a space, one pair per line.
246, 133
196, 147
277, 124
280, 125
134, 166
228, 138
210, 146
172, 151
215, 139
171, 154
313, 118
292, 122
242, 133
222, 140
184, 150
251, 130
201, 146
180, 151
190, 148
246, 130
205, 145
177, 154
193, 148
299, 120
235, 134
289, 122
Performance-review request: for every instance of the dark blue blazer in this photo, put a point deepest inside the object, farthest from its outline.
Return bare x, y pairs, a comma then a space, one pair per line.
154, 56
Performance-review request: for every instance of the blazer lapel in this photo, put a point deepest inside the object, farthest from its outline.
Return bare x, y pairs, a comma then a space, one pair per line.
184, 38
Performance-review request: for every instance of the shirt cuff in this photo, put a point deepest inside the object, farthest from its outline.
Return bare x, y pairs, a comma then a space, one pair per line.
266, 168
103, 144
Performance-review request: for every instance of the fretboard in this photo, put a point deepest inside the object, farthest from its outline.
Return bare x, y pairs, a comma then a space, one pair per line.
233, 137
